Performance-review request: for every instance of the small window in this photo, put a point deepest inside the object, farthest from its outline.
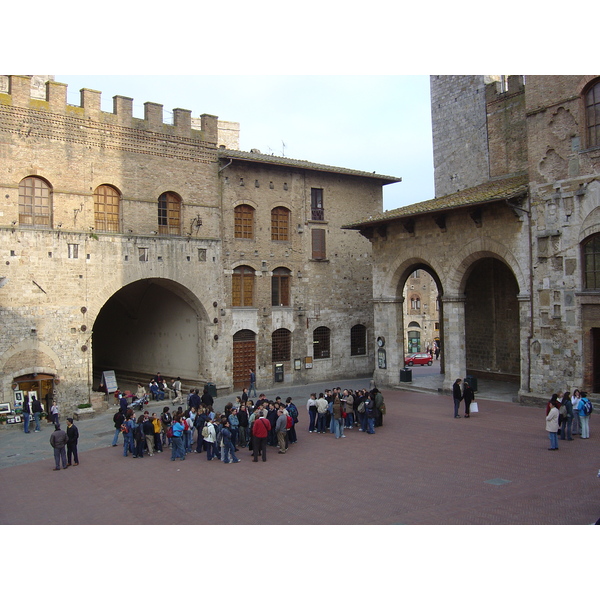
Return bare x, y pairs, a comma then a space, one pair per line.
280, 287
242, 287
592, 114
169, 214
358, 340
143, 254
318, 244
316, 204
321, 342
106, 208
415, 303
591, 262
244, 222
35, 202
73, 251
281, 343
280, 224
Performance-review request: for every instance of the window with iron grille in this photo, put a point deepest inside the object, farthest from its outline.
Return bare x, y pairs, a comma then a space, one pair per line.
318, 244
358, 340
244, 222
317, 212
35, 202
169, 214
321, 342
591, 262
281, 344
280, 287
280, 224
242, 286
592, 114
106, 208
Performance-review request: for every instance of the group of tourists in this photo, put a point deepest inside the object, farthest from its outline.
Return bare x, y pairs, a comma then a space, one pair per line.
243, 424
568, 415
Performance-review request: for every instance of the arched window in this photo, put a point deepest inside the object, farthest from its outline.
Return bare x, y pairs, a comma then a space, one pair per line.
592, 114
280, 224
321, 342
169, 214
35, 202
242, 286
280, 287
358, 340
106, 208
415, 302
244, 222
591, 263
281, 345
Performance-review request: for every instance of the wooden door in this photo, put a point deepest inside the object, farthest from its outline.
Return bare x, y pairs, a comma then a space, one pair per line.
244, 358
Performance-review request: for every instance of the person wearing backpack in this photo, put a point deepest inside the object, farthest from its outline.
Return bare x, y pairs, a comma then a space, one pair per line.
140, 438
127, 429
209, 436
292, 412
585, 410
165, 420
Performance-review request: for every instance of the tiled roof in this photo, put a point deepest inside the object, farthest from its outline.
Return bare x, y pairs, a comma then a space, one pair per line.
492, 191
301, 164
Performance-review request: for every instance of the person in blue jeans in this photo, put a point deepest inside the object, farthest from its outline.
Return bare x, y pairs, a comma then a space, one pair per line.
127, 429
228, 447
371, 412
177, 450
252, 383
26, 414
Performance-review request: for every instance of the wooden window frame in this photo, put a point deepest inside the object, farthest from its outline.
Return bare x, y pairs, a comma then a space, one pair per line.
280, 287
107, 207
317, 209
592, 114
244, 222
242, 286
280, 224
319, 244
35, 202
591, 262
169, 214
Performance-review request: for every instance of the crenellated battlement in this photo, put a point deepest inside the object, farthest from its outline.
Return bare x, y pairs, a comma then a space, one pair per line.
499, 89
25, 91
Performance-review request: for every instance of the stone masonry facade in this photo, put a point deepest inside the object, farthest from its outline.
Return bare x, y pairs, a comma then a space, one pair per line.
74, 297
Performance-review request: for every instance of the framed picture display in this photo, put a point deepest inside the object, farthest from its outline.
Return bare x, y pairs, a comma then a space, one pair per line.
18, 419
5, 408
19, 397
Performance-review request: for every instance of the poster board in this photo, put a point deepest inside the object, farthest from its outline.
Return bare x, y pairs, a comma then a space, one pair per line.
110, 381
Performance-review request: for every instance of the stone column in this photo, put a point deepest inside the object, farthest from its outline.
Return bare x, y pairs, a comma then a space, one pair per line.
455, 360
389, 324
525, 342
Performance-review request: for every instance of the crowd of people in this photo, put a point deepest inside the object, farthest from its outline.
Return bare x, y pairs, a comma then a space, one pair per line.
242, 424
568, 415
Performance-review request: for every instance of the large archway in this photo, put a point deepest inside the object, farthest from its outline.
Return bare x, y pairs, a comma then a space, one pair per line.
492, 329
148, 326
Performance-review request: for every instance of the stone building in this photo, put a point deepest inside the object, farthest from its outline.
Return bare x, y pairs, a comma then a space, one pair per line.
139, 246
421, 312
512, 238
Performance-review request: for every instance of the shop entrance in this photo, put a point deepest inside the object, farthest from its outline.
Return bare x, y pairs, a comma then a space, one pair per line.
43, 386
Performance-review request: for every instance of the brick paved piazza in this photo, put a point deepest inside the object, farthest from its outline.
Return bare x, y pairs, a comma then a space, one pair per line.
421, 467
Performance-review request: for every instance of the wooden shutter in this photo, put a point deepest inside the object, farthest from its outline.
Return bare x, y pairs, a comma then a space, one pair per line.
318, 244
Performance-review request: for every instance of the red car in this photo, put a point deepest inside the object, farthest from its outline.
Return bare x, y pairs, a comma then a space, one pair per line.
420, 358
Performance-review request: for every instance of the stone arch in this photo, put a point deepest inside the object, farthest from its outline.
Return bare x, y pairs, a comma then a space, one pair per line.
590, 207
470, 253
400, 271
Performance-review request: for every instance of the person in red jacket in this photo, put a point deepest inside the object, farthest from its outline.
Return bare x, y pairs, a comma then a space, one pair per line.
260, 431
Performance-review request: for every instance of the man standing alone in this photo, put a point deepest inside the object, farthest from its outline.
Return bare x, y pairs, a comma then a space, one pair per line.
72, 438
252, 382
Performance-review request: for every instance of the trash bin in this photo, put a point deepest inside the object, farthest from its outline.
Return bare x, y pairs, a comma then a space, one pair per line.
211, 388
278, 372
472, 381
406, 375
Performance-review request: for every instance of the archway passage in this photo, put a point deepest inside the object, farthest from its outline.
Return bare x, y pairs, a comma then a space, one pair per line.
492, 321
149, 326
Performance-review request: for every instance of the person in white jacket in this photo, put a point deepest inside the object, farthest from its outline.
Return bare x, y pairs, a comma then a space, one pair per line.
209, 436
552, 425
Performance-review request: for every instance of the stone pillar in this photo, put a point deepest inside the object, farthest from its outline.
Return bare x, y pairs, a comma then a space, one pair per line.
90, 102
455, 360
210, 128
525, 342
182, 120
123, 108
153, 115
20, 89
56, 93
389, 324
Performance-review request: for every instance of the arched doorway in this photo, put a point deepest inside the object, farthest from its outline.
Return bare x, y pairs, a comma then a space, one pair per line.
148, 326
244, 357
42, 384
492, 332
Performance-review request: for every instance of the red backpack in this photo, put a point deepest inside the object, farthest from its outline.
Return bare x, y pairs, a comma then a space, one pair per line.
290, 422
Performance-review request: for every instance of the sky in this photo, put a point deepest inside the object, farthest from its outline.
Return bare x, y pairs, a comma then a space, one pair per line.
370, 123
